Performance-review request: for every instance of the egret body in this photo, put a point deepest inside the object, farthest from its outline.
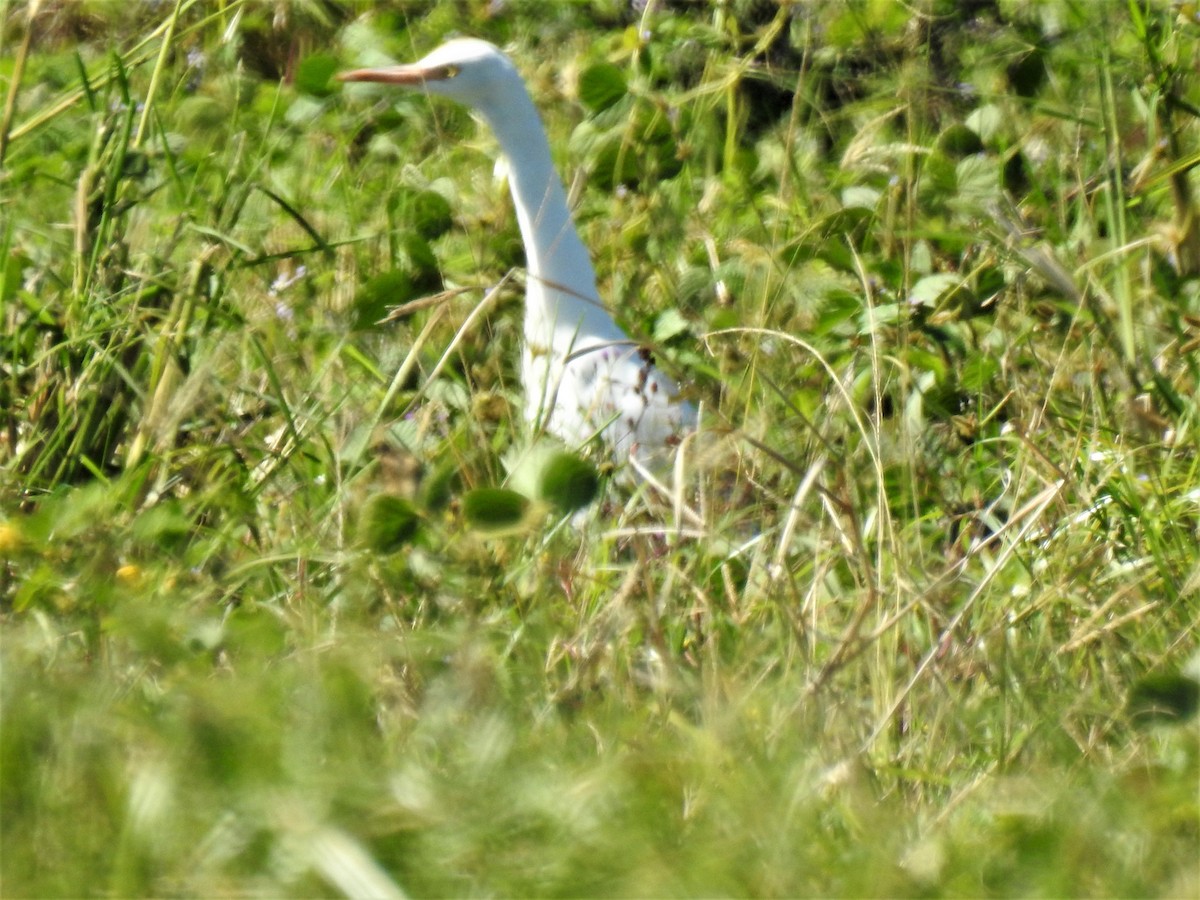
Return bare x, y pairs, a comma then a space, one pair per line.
582, 375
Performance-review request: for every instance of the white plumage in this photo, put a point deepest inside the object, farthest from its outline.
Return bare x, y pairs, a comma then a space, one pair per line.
581, 373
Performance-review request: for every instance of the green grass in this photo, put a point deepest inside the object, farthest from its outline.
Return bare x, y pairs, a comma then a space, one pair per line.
917, 614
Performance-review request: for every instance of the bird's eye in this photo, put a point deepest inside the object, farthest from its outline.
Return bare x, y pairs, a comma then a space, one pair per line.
450, 71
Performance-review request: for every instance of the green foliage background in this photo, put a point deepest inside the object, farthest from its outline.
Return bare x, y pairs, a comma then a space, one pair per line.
915, 614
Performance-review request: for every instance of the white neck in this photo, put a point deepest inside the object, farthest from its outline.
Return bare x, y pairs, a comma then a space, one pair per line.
554, 254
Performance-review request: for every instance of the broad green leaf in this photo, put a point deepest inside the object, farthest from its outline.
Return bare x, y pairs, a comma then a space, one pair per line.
569, 483
928, 289
978, 180
428, 212
1028, 73
373, 299
438, 487
314, 75
986, 121
872, 318
494, 509
600, 86
669, 324
837, 308
389, 523
959, 140
922, 258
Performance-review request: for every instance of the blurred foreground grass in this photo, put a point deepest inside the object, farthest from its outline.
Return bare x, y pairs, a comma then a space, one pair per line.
932, 274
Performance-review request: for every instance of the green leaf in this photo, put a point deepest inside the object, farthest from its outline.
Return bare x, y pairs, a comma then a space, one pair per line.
373, 299
426, 211
425, 273
1027, 73
314, 74
669, 324
958, 141
925, 361
978, 373
438, 487
978, 179
568, 483
494, 509
873, 318
939, 172
837, 308
921, 261
986, 121
928, 289
630, 143
600, 86
389, 523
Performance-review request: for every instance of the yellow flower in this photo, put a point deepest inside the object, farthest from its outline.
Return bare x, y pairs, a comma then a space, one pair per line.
10, 538
129, 574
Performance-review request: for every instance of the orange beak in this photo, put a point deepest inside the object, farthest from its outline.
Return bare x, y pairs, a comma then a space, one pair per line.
411, 74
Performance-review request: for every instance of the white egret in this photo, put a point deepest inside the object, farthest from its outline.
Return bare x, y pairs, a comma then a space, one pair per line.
582, 375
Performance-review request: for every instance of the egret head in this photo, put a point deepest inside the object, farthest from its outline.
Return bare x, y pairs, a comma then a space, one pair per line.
467, 70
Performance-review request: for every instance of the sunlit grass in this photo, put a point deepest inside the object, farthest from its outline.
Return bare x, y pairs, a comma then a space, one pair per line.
933, 284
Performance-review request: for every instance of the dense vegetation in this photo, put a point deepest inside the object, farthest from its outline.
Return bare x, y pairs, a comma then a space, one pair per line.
915, 614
